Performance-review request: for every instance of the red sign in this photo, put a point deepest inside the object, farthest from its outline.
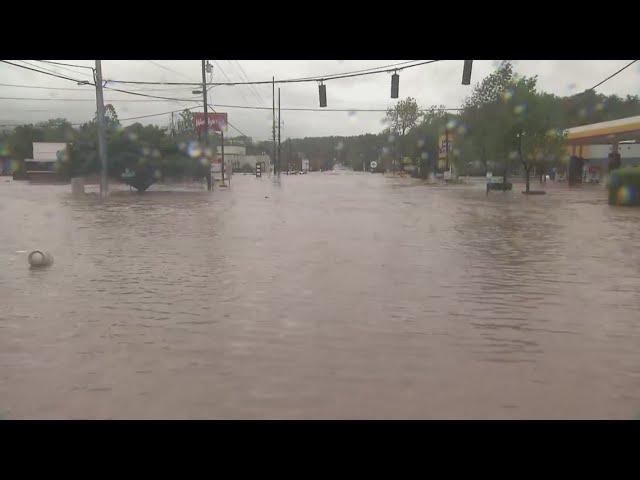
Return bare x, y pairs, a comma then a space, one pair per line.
217, 121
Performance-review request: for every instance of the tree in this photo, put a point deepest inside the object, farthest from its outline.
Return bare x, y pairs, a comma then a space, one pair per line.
485, 120
402, 117
421, 142
185, 125
57, 130
540, 143
20, 142
111, 121
508, 118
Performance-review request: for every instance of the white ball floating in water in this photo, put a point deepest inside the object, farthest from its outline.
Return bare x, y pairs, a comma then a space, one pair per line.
39, 258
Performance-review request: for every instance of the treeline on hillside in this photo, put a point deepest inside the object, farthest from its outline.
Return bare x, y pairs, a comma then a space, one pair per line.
506, 124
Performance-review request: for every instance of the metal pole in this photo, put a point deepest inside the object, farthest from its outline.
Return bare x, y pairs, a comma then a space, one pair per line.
222, 147
102, 143
273, 96
206, 117
279, 122
446, 140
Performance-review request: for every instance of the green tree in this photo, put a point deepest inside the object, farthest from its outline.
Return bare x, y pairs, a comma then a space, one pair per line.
402, 117
185, 126
485, 119
535, 134
110, 117
421, 142
57, 130
20, 141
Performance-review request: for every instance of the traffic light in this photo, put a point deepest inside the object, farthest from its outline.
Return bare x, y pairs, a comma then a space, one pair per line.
395, 85
323, 95
466, 72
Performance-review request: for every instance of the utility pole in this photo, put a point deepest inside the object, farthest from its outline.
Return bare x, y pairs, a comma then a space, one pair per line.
290, 156
102, 143
273, 97
446, 140
206, 120
279, 122
222, 149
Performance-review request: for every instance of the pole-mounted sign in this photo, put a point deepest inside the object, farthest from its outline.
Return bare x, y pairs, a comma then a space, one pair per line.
217, 121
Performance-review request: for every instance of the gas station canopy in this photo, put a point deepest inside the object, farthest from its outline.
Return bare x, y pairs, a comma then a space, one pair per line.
602, 133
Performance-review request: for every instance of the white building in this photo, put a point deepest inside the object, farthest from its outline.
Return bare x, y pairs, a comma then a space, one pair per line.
237, 157
46, 157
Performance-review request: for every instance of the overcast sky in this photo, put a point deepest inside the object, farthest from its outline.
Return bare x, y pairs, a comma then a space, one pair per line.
433, 84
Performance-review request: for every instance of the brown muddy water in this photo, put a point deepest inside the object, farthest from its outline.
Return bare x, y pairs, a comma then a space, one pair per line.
319, 296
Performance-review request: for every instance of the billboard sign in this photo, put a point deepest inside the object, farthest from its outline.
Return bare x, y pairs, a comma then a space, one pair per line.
217, 121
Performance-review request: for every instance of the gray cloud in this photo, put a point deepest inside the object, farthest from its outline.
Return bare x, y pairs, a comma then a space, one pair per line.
434, 84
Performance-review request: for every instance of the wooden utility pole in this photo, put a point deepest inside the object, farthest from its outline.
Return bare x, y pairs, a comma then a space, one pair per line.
273, 96
206, 121
446, 140
279, 123
222, 150
102, 142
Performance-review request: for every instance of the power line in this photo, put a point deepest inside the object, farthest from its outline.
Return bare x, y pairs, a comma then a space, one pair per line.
222, 70
157, 114
244, 76
120, 119
77, 89
613, 75
327, 109
38, 87
67, 64
365, 69
368, 71
52, 70
89, 83
246, 107
93, 99
230, 124
252, 87
293, 80
168, 69
43, 72
227, 77
152, 96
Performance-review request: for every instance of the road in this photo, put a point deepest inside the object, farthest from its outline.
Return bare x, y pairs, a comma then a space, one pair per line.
327, 295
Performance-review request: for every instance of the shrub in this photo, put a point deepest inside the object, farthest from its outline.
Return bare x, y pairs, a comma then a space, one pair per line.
624, 186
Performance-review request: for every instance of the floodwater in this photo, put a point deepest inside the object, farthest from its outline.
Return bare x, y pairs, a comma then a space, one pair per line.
319, 296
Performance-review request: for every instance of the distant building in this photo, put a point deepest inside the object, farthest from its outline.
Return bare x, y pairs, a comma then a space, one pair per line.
236, 156
591, 145
46, 159
598, 155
